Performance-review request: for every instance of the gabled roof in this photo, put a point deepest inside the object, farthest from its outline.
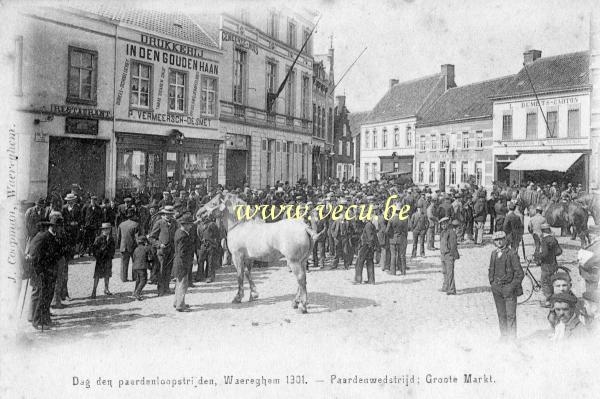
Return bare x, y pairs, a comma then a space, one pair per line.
173, 24
355, 119
406, 99
465, 102
549, 74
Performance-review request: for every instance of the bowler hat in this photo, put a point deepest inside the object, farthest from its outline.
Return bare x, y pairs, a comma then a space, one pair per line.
545, 226
128, 199
564, 297
445, 219
167, 210
106, 226
539, 208
455, 223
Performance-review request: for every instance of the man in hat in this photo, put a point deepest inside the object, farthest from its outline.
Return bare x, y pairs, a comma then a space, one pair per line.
397, 234
505, 275
166, 199
33, 216
161, 237
210, 253
568, 324
369, 243
535, 229
448, 253
122, 209
103, 250
142, 259
479, 216
433, 221
126, 233
561, 283
513, 227
92, 218
549, 250
318, 225
419, 223
341, 233
554, 193
182, 260
44, 252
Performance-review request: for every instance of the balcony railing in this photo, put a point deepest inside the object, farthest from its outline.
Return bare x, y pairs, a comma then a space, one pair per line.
239, 111
289, 120
271, 118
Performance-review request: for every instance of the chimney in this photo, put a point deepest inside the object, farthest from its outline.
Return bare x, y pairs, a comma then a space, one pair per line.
531, 55
393, 82
331, 60
448, 72
341, 102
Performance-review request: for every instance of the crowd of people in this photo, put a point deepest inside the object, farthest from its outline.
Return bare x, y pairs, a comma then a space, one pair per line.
162, 233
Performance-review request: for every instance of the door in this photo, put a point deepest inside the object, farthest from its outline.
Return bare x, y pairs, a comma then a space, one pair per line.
442, 176
236, 168
80, 161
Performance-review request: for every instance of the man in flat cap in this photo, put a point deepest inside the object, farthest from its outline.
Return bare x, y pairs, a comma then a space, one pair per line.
534, 227
568, 325
33, 216
505, 275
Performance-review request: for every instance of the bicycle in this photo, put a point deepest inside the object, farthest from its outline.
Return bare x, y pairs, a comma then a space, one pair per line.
531, 284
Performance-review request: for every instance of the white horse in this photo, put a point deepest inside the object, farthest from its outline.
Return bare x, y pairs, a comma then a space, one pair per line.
290, 239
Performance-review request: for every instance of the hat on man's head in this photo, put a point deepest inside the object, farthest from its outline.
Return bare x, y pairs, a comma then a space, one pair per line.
94, 197
198, 186
106, 226
445, 219
186, 219
539, 208
545, 226
55, 219
455, 223
561, 276
128, 199
166, 192
70, 197
167, 210
129, 213
499, 235
182, 192
42, 201
554, 184
564, 297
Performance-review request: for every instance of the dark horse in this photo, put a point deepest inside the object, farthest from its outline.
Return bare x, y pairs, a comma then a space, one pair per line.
569, 216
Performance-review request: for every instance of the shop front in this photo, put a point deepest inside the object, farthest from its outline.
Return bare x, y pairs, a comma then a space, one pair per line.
150, 164
547, 168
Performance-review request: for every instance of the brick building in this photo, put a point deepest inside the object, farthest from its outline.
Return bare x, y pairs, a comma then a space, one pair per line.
343, 141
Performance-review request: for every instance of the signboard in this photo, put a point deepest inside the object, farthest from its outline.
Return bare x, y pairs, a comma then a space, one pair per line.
41, 137
182, 120
72, 110
176, 60
236, 142
240, 41
81, 126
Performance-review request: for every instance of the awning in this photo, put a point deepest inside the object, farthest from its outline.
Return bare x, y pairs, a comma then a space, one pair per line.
556, 162
397, 172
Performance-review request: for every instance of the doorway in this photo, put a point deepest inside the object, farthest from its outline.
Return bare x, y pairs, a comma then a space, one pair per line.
81, 161
442, 176
236, 172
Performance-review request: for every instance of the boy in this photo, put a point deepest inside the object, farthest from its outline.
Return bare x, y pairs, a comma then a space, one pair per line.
142, 260
103, 250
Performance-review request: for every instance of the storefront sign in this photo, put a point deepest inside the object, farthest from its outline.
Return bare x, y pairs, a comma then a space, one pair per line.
176, 60
240, 41
41, 137
172, 46
547, 142
550, 102
236, 142
183, 120
70, 110
81, 126
122, 84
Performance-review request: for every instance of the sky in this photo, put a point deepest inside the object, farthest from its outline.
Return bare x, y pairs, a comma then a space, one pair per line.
408, 39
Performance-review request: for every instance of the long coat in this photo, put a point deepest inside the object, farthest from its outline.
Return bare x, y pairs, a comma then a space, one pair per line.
505, 272
184, 253
126, 235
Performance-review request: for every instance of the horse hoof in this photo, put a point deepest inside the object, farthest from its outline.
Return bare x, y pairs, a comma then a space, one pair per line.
236, 300
294, 304
253, 297
302, 308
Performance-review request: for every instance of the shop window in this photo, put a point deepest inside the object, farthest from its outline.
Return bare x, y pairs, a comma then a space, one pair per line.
83, 74
239, 76
141, 80
507, 127
138, 170
177, 90
171, 167
531, 126
208, 99
196, 168
573, 123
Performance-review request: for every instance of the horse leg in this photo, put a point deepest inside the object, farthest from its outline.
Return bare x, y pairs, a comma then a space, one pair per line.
239, 263
301, 296
253, 292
